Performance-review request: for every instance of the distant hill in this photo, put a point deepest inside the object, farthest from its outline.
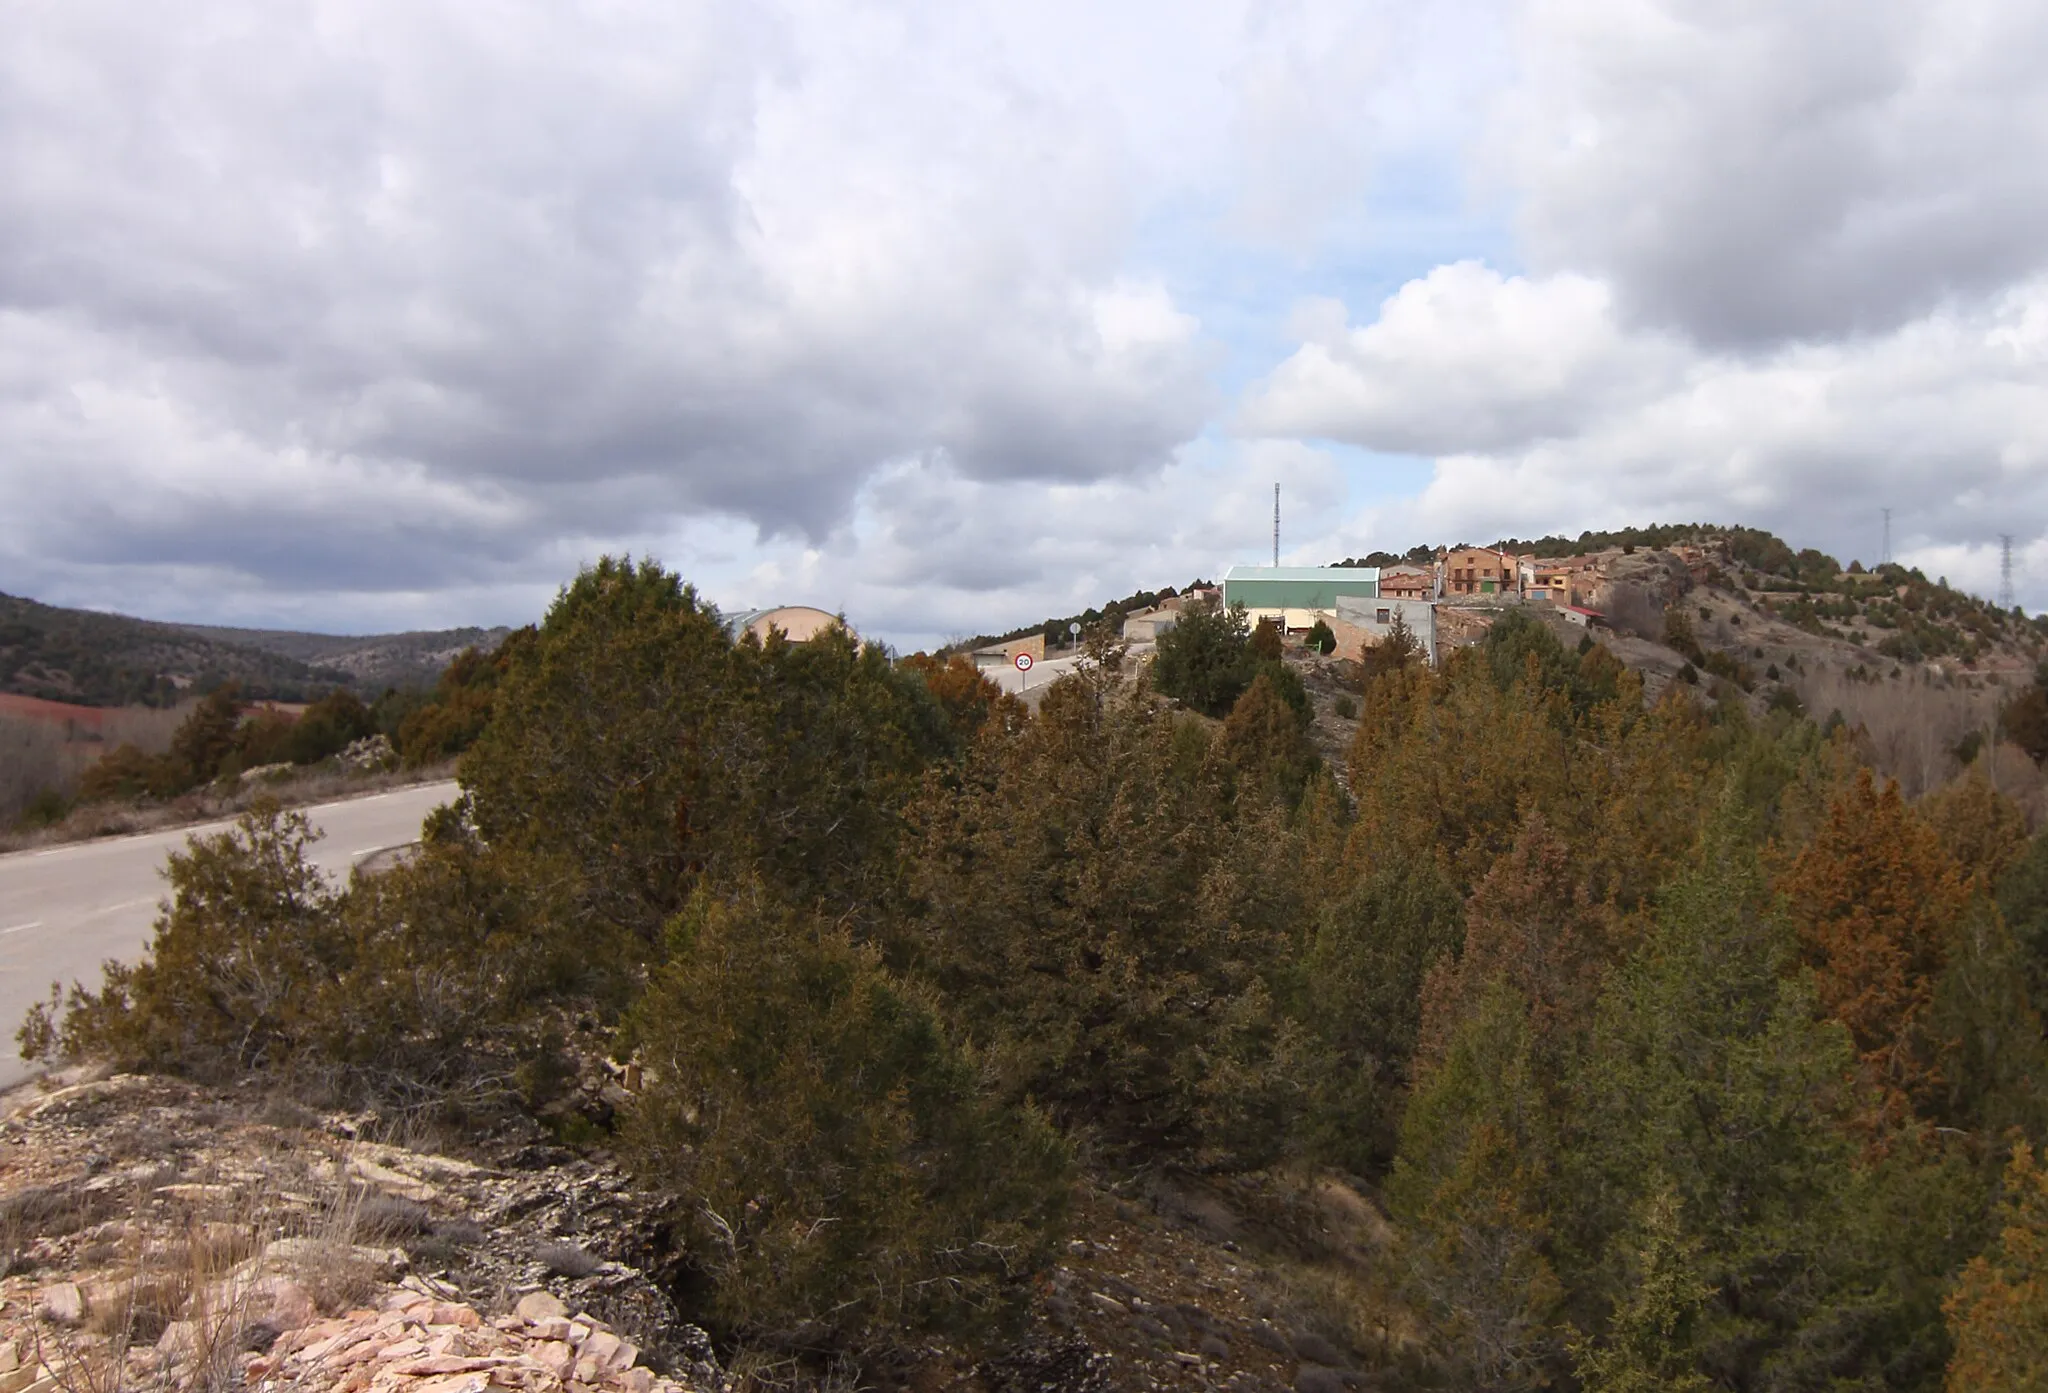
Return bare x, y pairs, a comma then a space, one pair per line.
372, 662
95, 659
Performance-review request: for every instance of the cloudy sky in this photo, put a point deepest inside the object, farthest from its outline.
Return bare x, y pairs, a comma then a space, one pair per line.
948, 315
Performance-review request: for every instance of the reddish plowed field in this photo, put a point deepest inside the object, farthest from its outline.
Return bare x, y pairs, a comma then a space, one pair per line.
37, 709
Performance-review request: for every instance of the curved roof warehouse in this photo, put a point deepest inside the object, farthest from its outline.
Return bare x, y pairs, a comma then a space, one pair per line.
799, 623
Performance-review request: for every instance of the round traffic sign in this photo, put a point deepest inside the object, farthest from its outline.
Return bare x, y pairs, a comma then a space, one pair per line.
1023, 662
1074, 628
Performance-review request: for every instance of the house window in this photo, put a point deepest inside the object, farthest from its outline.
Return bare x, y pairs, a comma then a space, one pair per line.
1385, 616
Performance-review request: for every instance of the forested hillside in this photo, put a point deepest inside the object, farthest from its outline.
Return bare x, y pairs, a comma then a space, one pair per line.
1657, 1044
372, 661
98, 659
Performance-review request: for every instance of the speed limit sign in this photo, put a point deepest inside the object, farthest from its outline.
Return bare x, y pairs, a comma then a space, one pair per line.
1023, 662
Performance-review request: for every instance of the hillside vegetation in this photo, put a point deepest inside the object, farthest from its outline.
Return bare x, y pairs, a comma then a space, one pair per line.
372, 662
1647, 1042
96, 659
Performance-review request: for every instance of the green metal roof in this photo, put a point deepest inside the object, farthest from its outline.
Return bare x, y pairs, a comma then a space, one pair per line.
1297, 587
1371, 573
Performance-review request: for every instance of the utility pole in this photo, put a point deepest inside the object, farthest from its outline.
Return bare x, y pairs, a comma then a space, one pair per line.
1276, 526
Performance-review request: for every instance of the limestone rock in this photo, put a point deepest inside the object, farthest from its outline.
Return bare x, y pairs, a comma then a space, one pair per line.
537, 1306
64, 1303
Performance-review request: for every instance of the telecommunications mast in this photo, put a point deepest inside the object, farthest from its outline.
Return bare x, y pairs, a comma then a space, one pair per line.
1276, 524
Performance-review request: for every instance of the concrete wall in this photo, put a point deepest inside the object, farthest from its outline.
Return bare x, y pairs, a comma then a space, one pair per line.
1146, 625
1362, 625
1003, 655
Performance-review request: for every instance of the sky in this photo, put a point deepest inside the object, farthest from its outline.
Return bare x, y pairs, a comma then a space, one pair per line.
949, 316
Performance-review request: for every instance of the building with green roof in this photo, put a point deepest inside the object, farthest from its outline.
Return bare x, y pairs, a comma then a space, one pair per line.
1276, 588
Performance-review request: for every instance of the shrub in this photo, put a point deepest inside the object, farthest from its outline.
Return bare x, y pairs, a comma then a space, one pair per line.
1346, 707
127, 772
1321, 638
848, 1179
1105, 932
251, 935
415, 986
1205, 659
329, 726
207, 737
693, 758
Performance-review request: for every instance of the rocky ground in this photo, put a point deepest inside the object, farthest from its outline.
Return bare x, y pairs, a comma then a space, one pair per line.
159, 1235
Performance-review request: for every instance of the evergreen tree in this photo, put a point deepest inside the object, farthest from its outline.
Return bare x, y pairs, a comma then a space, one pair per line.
1470, 1187
1205, 660
1998, 1313
1359, 998
848, 1181
1708, 1074
207, 736
1104, 932
1876, 900
634, 745
1266, 739
2023, 900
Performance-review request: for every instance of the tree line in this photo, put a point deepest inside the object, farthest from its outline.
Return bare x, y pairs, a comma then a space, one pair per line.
1684, 1052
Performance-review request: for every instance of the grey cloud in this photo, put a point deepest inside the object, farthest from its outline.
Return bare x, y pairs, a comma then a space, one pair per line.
1803, 169
554, 264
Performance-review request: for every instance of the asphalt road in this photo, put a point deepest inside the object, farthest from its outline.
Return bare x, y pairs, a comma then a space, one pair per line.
65, 910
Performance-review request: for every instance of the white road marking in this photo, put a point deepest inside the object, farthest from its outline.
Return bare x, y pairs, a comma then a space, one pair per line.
126, 904
22, 928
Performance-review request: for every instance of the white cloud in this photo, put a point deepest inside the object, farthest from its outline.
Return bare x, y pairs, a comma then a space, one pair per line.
1461, 359
1944, 419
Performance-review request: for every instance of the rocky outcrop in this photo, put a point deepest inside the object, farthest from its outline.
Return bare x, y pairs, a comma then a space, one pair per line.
155, 1235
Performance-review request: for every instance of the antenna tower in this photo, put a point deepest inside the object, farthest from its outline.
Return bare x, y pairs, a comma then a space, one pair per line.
2005, 570
1276, 525
1887, 559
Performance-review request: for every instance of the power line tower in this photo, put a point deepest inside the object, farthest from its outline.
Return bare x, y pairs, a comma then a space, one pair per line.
2005, 570
1276, 524
1886, 560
